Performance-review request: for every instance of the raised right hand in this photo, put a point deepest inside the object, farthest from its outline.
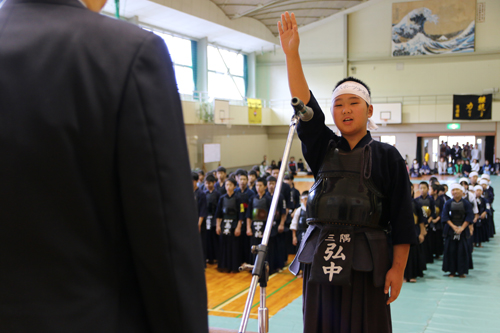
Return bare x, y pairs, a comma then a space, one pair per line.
289, 33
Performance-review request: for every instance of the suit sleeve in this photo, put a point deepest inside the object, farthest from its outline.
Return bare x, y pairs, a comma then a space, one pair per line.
156, 192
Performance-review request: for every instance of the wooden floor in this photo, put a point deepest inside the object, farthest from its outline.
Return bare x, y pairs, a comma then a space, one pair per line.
227, 292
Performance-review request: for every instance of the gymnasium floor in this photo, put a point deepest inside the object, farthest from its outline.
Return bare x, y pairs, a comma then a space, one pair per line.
436, 303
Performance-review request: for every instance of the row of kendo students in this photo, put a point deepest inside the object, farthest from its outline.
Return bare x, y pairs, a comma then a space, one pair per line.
451, 227
232, 216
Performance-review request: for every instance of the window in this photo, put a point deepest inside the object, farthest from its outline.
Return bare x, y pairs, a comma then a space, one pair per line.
226, 74
180, 50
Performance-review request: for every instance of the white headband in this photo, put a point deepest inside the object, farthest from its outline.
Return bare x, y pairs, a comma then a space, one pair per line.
484, 181
463, 179
473, 173
478, 187
485, 176
351, 87
456, 186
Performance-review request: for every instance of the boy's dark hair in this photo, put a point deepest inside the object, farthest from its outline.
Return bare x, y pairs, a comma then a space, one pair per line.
195, 175
252, 172
232, 180
350, 78
262, 180
240, 172
210, 178
435, 187
433, 179
221, 169
288, 177
255, 168
271, 179
201, 172
305, 193
232, 175
244, 174
445, 185
275, 167
424, 183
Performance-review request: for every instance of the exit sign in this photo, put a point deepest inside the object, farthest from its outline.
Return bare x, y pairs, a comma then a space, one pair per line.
453, 126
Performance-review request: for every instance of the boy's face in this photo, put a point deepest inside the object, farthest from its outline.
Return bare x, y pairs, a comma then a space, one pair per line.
350, 114
251, 178
261, 188
479, 193
289, 182
221, 175
445, 188
243, 181
473, 179
484, 186
271, 186
424, 190
210, 186
303, 200
275, 173
431, 191
201, 178
229, 187
465, 185
457, 194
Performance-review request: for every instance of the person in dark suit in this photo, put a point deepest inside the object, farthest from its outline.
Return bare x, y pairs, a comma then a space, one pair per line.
98, 230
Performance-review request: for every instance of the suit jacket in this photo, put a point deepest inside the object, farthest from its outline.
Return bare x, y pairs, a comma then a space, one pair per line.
97, 225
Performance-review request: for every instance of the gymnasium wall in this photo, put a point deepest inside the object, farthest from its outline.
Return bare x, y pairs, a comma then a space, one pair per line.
369, 58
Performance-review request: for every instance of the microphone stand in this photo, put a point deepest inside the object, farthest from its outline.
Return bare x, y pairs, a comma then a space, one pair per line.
260, 270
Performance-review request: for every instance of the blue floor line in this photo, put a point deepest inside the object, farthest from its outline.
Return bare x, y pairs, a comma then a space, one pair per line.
435, 304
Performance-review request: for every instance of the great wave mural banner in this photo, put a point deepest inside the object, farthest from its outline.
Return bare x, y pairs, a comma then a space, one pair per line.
433, 27
472, 107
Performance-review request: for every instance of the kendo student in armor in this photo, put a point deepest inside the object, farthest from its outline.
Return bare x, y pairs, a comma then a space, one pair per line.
201, 208
429, 211
457, 215
480, 227
221, 179
359, 209
212, 238
244, 194
415, 265
289, 207
438, 208
277, 257
294, 204
299, 223
489, 196
229, 220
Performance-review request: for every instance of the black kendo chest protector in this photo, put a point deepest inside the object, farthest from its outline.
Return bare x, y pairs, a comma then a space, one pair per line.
302, 225
260, 209
344, 193
426, 206
457, 212
211, 202
230, 208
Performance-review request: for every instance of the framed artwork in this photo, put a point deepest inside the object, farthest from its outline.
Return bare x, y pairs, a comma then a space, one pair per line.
433, 27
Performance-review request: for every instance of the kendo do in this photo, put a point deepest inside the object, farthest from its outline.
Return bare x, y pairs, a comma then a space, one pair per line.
359, 210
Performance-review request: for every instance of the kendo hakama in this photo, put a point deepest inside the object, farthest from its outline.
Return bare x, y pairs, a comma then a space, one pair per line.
230, 258
415, 265
456, 257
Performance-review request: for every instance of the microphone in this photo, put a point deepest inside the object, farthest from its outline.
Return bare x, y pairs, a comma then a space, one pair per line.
305, 113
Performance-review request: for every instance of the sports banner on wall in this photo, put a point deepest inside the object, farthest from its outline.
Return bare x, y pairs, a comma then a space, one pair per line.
254, 111
472, 107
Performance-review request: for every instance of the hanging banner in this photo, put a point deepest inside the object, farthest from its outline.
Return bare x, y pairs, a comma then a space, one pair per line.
254, 111
472, 107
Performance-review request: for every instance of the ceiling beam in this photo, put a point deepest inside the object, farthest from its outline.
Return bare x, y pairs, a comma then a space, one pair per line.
280, 11
260, 6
